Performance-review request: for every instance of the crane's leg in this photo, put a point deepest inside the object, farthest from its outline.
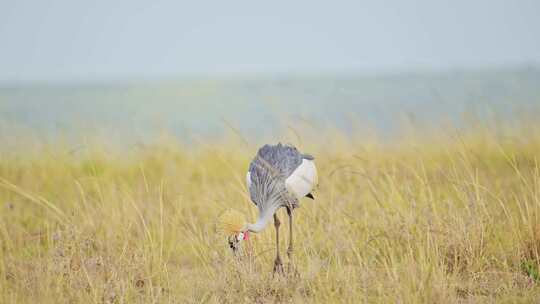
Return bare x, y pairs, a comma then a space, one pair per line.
290, 249
278, 265
290, 268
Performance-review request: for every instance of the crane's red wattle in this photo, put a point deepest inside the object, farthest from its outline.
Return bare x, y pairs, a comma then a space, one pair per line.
246, 235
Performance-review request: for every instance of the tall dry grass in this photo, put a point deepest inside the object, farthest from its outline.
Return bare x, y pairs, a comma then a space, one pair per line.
450, 218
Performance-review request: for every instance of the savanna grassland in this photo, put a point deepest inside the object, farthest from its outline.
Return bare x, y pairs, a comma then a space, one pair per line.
445, 218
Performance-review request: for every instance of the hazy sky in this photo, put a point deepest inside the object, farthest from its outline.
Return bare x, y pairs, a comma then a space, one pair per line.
69, 40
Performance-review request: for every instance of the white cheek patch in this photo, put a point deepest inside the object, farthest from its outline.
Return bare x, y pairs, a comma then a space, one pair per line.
240, 236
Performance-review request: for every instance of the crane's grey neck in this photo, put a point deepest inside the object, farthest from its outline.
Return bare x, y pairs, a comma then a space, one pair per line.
263, 219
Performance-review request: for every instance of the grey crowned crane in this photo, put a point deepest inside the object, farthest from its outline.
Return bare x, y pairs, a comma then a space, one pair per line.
278, 176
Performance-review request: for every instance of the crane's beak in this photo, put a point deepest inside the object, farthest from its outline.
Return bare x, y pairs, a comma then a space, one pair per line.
235, 240
234, 244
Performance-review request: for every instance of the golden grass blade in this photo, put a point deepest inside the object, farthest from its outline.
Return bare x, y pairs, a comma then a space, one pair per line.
41, 201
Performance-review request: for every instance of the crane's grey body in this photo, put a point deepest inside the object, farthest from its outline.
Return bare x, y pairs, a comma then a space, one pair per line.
267, 173
284, 159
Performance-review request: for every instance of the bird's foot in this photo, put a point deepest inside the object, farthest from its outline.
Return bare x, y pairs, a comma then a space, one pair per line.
278, 266
291, 270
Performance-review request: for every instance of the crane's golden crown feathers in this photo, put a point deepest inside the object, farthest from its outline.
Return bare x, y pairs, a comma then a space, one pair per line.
231, 222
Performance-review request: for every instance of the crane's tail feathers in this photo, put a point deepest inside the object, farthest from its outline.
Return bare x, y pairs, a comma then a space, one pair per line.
231, 221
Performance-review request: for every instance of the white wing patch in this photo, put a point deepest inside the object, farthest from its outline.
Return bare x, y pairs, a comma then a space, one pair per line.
248, 180
303, 179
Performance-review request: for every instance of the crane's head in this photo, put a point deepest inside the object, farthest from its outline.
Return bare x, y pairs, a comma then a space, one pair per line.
233, 224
